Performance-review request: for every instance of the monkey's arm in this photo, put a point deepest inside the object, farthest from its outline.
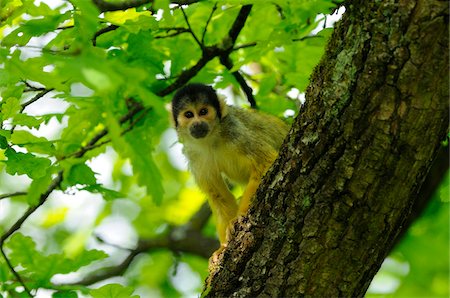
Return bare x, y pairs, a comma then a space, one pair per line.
222, 202
259, 168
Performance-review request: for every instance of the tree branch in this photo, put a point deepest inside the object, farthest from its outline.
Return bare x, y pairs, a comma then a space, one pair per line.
55, 183
16, 226
327, 212
14, 272
239, 23
186, 238
211, 52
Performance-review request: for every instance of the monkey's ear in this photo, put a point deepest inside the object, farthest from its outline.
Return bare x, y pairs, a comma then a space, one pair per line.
223, 106
168, 107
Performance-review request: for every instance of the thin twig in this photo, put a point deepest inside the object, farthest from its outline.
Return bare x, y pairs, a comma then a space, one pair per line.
186, 75
135, 121
190, 28
16, 226
55, 183
32, 88
244, 46
307, 37
14, 272
178, 31
92, 144
103, 31
207, 22
211, 52
226, 61
10, 195
103, 241
252, 44
36, 98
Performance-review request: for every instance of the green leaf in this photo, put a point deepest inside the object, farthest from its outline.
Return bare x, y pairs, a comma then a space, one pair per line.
20, 137
98, 78
86, 21
35, 27
38, 187
10, 107
27, 120
139, 151
137, 146
113, 291
65, 294
81, 174
26, 164
4, 272
42, 267
3, 142
267, 84
86, 257
35, 144
23, 250
108, 194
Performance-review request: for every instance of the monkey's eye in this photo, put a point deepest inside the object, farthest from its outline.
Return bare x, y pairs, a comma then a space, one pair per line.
203, 112
188, 114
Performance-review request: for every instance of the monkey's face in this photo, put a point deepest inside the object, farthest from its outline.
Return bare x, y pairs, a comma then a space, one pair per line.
197, 111
197, 120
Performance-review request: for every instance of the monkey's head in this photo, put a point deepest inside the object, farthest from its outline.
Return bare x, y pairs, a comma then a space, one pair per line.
196, 110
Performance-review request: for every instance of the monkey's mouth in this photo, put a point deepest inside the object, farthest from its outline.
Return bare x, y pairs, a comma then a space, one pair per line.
199, 130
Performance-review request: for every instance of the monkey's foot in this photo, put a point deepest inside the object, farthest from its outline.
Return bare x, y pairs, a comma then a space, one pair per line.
214, 259
231, 228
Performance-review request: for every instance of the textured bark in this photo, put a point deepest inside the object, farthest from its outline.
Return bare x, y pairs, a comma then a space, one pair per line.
331, 207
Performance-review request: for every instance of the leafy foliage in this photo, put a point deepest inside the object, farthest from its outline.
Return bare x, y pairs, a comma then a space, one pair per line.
39, 267
87, 156
418, 266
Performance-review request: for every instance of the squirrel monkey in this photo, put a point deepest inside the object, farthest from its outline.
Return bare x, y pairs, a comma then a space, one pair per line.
225, 142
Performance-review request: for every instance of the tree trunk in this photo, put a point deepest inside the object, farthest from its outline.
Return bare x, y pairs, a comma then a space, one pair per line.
331, 207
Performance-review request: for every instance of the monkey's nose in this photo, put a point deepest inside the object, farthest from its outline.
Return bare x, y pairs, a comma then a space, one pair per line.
199, 130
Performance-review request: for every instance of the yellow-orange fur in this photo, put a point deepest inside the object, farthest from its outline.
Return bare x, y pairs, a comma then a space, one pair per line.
240, 145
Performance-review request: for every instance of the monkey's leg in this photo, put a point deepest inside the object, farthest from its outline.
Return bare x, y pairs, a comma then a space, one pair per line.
222, 202
257, 172
225, 211
224, 207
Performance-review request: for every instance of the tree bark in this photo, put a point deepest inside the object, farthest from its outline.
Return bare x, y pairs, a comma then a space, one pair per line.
328, 212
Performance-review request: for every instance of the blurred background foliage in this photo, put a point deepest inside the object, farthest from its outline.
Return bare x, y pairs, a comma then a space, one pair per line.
91, 174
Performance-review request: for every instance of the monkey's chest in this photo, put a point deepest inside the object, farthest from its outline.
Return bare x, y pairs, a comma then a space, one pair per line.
234, 166
216, 161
